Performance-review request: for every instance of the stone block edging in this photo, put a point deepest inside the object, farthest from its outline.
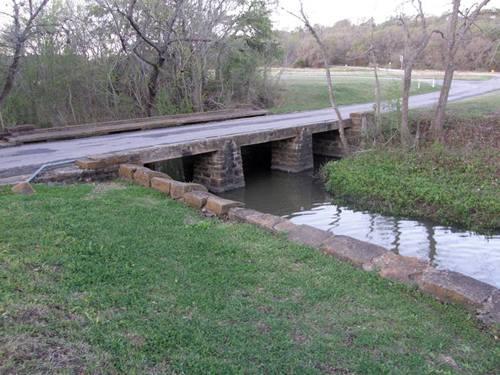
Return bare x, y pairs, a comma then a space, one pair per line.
446, 286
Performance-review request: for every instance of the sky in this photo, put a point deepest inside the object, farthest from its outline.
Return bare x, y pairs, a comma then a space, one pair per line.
327, 12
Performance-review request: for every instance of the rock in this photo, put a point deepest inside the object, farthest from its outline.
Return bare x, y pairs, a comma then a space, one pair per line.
351, 250
449, 361
143, 176
126, 171
241, 214
489, 312
260, 219
114, 159
397, 267
284, 227
307, 235
221, 206
178, 189
452, 286
265, 221
88, 164
196, 199
24, 188
161, 184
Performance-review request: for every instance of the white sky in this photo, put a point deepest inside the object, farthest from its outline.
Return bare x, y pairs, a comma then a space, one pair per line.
327, 12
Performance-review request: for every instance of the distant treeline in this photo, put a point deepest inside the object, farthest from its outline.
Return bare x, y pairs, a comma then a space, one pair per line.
348, 44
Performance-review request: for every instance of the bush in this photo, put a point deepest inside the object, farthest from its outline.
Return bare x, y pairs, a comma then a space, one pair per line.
436, 184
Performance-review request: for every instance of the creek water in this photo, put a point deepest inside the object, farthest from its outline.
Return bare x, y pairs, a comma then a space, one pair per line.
302, 198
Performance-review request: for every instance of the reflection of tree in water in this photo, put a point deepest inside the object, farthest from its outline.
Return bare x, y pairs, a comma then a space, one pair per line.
397, 236
371, 226
432, 241
430, 237
336, 216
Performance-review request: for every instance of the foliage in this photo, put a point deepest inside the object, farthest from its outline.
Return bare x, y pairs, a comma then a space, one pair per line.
88, 64
447, 186
113, 279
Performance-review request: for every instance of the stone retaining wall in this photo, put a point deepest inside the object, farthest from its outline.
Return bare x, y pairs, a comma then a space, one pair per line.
72, 174
447, 286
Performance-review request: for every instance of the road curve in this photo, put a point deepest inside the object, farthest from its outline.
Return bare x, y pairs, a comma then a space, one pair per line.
25, 159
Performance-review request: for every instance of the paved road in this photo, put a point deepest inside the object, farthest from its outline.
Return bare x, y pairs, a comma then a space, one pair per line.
25, 159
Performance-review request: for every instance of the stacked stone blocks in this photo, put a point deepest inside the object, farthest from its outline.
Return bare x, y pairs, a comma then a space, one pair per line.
221, 170
294, 154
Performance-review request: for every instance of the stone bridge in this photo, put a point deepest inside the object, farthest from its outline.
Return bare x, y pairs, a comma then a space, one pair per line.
218, 162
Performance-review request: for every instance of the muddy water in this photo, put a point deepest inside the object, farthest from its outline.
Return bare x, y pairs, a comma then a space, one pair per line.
303, 199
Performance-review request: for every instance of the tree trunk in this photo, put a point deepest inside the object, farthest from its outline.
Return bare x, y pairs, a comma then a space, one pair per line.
405, 107
437, 124
333, 103
197, 85
378, 98
153, 85
331, 94
11, 73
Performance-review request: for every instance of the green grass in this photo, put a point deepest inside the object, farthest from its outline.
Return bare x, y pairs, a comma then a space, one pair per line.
475, 108
119, 279
367, 72
451, 187
311, 93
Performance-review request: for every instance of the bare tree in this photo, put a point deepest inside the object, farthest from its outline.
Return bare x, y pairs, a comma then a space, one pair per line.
159, 48
378, 95
459, 24
22, 29
414, 45
324, 53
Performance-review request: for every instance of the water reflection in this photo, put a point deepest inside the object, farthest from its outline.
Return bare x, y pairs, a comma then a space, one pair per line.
303, 199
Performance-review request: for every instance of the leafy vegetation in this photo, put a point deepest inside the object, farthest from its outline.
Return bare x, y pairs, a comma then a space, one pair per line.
115, 278
87, 63
438, 184
454, 182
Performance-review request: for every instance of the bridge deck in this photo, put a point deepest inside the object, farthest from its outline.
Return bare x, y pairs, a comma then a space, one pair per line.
26, 158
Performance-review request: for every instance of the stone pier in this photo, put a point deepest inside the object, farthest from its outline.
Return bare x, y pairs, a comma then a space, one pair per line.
294, 154
221, 170
360, 128
327, 144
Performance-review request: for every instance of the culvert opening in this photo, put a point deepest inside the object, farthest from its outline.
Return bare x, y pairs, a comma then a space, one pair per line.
256, 158
180, 169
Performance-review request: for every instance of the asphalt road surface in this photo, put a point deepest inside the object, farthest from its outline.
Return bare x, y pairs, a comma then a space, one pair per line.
25, 159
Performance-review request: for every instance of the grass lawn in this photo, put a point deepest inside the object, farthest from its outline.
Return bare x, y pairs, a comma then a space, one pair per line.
118, 279
312, 93
487, 105
305, 89
360, 71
